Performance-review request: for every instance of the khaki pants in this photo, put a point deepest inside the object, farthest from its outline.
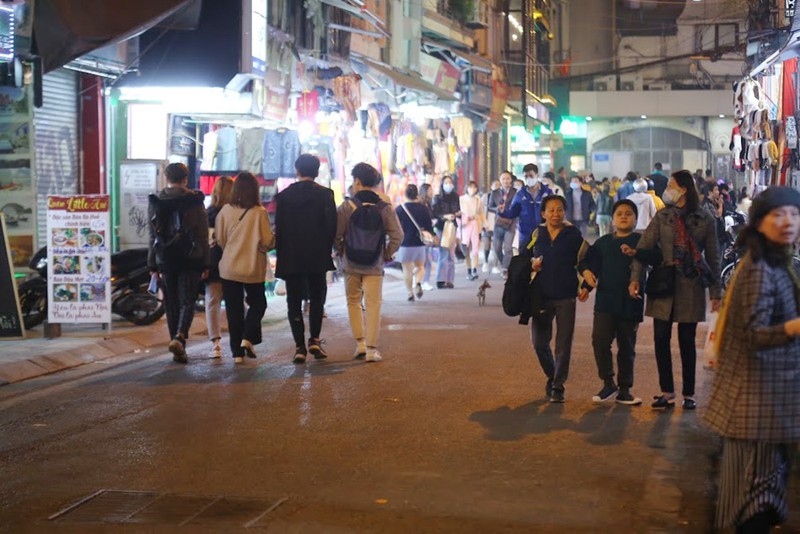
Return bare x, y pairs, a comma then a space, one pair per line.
370, 289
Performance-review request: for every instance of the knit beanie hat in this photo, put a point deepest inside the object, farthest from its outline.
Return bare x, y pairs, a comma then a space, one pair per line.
771, 198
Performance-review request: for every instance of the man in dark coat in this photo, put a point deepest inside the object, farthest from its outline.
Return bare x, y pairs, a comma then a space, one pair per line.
305, 229
659, 179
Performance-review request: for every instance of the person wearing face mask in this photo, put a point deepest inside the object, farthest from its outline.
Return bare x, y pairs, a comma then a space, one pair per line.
580, 204
488, 227
446, 207
756, 386
527, 204
645, 205
504, 228
686, 235
604, 202
549, 179
471, 225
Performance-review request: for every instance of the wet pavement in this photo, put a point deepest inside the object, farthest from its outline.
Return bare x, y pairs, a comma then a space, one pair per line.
449, 433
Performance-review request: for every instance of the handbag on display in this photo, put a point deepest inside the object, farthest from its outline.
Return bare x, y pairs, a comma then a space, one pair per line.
661, 281
428, 239
448, 238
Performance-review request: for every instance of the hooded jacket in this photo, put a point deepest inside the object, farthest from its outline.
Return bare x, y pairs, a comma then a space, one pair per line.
195, 220
646, 207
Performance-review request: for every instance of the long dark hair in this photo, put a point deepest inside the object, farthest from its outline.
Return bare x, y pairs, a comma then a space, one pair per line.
245, 191
686, 181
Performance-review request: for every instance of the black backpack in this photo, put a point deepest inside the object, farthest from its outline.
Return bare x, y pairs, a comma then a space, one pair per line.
365, 237
173, 242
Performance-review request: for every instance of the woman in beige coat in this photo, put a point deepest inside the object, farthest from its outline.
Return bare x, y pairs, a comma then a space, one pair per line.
472, 221
244, 233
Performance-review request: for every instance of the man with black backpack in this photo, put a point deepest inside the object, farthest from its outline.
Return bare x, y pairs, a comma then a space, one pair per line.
179, 252
368, 234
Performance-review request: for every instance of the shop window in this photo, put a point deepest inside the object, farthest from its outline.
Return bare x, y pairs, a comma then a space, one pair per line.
712, 36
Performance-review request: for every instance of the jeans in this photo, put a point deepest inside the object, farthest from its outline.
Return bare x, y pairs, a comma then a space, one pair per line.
241, 327
180, 294
430, 252
603, 224
502, 242
446, 268
605, 329
315, 288
369, 290
556, 369
214, 309
662, 333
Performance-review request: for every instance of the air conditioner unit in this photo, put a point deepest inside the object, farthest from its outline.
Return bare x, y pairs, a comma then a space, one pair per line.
480, 16
605, 83
631, 82
660, 86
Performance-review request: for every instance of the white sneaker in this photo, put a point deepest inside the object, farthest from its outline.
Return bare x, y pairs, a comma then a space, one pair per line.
427, 287
496, 270
373, 355
485, 268
361, 352
216, 352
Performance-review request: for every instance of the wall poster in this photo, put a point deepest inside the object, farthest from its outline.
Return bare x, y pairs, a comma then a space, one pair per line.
79, 266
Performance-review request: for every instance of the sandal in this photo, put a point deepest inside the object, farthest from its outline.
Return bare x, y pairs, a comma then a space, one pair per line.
689, 404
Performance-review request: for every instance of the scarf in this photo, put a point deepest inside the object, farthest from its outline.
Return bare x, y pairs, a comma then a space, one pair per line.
687, 256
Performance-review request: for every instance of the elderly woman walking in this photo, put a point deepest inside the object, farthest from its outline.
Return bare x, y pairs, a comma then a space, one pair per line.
686, 236
755, 397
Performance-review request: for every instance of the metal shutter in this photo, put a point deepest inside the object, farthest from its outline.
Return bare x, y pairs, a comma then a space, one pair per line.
56, 146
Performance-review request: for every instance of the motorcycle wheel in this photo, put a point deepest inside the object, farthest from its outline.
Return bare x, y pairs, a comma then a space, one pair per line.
33, 302
144, 308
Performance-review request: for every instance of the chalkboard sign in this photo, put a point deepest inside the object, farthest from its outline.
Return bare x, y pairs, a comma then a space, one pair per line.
10, 313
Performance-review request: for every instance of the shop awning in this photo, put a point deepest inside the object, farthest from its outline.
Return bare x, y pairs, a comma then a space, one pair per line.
411, 82
359, 11
62, 31
473, 61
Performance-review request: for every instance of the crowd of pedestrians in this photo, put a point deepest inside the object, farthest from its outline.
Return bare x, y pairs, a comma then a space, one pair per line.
657, 255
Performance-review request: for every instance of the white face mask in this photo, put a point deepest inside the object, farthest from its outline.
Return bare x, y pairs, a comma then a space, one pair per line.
448, 188
472, 191
530, 182
574, 185
671, 197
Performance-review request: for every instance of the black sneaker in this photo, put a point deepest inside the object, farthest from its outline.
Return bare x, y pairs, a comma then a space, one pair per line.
661, 402
689, 404
315, 348
299, 355
419, 291
178, 351
625, 397
440, 285
557, 396
548, 388
608, 391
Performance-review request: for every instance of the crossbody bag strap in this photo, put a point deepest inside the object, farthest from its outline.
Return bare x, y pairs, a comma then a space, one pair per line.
414, 221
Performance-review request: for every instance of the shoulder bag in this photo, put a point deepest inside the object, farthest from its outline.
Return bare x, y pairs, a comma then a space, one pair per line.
661, 281
428, 238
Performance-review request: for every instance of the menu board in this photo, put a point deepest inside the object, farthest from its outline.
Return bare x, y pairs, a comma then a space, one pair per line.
11, 325
79, 261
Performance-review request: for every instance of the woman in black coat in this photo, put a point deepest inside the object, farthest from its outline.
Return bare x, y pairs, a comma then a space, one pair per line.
446, 210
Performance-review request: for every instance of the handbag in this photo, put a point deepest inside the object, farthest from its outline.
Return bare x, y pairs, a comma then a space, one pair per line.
661, 281
448, 239
428, 239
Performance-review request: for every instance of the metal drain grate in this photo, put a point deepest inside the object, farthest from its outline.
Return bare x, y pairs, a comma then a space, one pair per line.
146, 507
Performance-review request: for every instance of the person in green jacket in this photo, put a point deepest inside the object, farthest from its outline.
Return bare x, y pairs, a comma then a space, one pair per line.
616, 314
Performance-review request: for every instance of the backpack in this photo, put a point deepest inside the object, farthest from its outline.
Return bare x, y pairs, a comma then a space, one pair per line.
365, 237
172, 243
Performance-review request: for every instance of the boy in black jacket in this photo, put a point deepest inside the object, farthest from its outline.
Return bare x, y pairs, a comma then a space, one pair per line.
616, 314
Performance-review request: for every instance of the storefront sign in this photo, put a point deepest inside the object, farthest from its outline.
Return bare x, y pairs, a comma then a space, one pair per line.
138, 178
480, 96
79, 260
270, 102
500, 93
11, 325
789, 6
439, 73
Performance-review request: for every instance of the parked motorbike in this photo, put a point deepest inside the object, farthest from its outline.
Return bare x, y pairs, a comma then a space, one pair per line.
129, 297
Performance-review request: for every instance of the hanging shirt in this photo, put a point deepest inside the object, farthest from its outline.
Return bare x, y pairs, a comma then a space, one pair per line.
226, 154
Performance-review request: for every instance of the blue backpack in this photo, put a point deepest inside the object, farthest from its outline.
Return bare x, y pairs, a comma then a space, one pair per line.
365, 237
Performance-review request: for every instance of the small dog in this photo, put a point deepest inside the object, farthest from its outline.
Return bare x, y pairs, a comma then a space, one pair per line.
482, 292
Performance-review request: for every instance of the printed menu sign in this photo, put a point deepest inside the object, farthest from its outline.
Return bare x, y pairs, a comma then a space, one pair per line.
79, 261
10, 315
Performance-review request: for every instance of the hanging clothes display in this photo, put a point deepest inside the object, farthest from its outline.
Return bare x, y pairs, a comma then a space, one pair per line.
441, 158
462, 128
251, 142
209, 150
281, 149
226, 154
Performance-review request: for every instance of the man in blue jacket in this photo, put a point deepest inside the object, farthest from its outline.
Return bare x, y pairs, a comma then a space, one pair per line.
527, 204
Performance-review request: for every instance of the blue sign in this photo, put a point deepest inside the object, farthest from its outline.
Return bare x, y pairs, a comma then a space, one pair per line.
602, 157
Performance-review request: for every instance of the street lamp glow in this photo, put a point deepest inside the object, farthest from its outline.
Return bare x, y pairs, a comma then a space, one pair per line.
644, 116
